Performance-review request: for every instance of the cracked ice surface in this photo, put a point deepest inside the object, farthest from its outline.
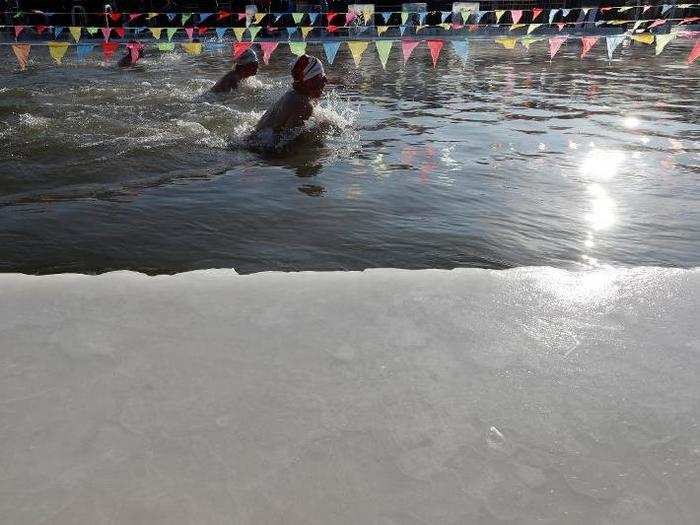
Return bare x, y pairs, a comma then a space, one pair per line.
384, 396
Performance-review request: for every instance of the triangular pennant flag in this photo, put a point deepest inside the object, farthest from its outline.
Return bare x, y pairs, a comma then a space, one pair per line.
479, 15
204, 16
238, 32
383, 50
120, 31
166, 46
243, 16
665, 8
349, 17
291, 30
694, 53
554, 44
367, 13
312, 18
381, 29
135, 49
662, 41
253, 32
472, 27
57, 30
331, 49
151, 15
57, 50
407, 47
623, 9
457, 27
646, 8
156, 32
516, 15
536, 12
259, 17
171, 16
21, 51
357, 47
552, 14
421, 17
516, 26
189, 31
507, 42
587, 42
445, 26
644, 38
532, 27
92, 30
106, 32
18, 30
444, 15
565, 12
185, 18
220, 32
297, 17
170, 31
656, 23
585, 10
402, 30
192, 48
404, 18
331, 29
297, 48
84, 49
499, 14
637, 24
116, 17
330, 15
239, 48
224, 14
527, 41
268, 48
561, 25
461, 48
612, 42
40, 29
435, 47
305, 31
418, 28
108, 49
134, 16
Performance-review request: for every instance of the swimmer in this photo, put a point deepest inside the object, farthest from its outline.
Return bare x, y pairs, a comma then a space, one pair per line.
297, 104
246, 66
129, 60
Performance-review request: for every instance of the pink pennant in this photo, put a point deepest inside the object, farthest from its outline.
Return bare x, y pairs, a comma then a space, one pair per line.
201, 30
242, 16
350, 17
407, 47
134, 16
605, 9
555, 43
120, 31
694, 54
189, 31
40, 29
656, 23
331, 29
224, 14
106, 32
457, 27
135, 49
516, 14
239, 48
268, 48
561, 25
473, 27
116, 17
271, 29
646, 8
108, 49
689, 20
435, 48
21, 51
18, 30
536, 12
587, 42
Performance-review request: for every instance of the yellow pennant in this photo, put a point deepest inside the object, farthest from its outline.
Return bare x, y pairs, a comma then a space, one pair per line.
507, 41
516, 26
445, 26
662, 40
644, 38
151, 15
156, 31
404, 18
238, 31
192, 48
253, 31
617, 22
305, 31
367, 13
357, 47
297, 48
75, 32
381, 29
57, 50
259, 17
499, 14
527, 41
419, 27
532, 27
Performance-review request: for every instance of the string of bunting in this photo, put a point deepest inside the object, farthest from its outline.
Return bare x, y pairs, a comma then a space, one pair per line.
58, 50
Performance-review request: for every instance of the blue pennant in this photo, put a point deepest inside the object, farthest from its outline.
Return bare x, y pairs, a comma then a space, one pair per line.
331, 49
421, 18
220, 32
171, 16
445, 15
204, 16
57, 30
665, 8
312, 18
83, 49
461, 47
402, 29
291, 31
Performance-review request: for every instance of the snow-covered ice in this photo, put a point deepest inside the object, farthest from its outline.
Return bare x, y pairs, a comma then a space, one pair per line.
384, 396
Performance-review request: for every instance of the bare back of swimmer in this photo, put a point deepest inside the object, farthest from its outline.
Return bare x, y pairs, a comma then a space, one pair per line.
246, 66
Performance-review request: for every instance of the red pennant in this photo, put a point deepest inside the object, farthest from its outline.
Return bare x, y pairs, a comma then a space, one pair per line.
536, 12
116, 17
473, 27
555, 43
202, 30
330, 16
689, 20
516, 15
134, 16
135, 51
189, 31
407, 47
239, 48
223, 14
435, 48
656, 23
694, 54
120, 31
587, 42
18, 30
268, 48
108, 49
40, 29
331, 29
457, 27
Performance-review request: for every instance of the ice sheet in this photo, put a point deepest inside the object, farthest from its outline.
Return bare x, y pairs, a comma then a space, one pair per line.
384, 396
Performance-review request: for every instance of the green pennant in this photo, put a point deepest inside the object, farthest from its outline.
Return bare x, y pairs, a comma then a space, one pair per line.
297, 48
186, 17
170, 31
92, 30
297, 17
166, 46
383, 49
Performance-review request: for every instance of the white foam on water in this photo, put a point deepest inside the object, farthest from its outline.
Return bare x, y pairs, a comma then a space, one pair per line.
464, 396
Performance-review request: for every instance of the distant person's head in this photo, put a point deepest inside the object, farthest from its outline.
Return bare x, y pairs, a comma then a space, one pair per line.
247, 63
309, 76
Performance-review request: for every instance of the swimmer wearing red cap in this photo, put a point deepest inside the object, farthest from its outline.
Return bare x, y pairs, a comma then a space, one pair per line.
297, 104
246, 66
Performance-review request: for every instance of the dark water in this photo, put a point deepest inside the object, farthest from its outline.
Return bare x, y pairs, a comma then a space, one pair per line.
508, 161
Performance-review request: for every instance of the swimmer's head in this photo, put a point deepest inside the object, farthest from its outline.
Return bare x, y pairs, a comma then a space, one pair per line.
247, 63
309, 76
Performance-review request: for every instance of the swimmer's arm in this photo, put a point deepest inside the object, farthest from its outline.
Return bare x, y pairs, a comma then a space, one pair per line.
227, 83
